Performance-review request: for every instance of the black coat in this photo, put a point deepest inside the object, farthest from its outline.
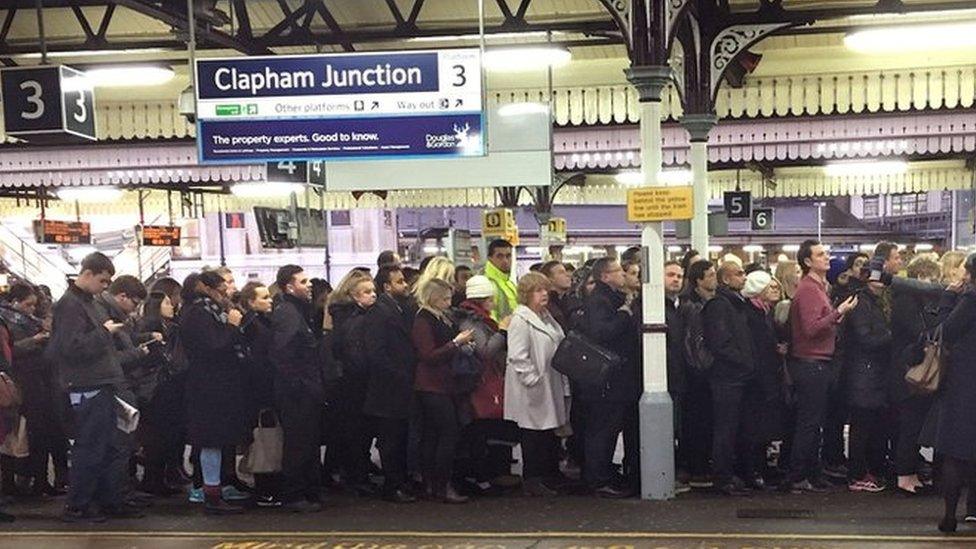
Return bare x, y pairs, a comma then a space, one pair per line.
392, 360
912, 314
295, 348
260, 371
216, 407
82, 350
617, 331
726, 330
957, 422
677, 368
769, 371
867, 353
348, 320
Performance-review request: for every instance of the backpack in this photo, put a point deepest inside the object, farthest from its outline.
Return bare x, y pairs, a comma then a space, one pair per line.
695, 351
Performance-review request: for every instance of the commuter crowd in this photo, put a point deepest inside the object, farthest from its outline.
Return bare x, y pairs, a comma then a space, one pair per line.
792, 378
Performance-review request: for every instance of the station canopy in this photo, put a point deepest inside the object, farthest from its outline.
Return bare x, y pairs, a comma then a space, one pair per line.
807, 99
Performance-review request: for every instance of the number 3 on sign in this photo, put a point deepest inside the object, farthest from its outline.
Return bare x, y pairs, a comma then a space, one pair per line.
34, 99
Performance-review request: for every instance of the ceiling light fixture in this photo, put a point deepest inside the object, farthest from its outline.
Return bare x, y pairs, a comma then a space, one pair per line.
129, 76
860, 169
266, 189
89, 195
522, 109
913, 38
527, 58
670, 177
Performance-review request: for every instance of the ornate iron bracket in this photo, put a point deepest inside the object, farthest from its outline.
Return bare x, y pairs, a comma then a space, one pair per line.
733, 41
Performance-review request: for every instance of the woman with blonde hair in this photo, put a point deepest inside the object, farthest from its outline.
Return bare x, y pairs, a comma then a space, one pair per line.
535, 394
438, 342
788, 274
439, 268
347, 312
952, 266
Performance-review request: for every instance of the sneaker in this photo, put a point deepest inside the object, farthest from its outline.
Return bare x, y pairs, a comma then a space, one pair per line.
537, 488
231, 493
836, 471
865, 485
700, 481
267, 501
681, 487
196, 495
612, 492
970, 517
807, 487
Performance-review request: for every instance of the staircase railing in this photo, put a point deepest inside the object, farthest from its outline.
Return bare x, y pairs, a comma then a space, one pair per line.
24, 260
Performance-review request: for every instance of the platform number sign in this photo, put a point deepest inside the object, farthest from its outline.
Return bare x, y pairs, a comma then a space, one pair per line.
288, 171
316, 173
49, 103
738, 204
762, 219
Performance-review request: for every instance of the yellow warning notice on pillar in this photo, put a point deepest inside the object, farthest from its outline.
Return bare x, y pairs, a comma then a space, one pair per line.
659, 204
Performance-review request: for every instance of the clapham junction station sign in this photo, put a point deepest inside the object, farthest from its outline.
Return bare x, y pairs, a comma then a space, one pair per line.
340, 106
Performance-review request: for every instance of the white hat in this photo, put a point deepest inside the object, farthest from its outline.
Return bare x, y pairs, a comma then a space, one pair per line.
479, 287
756, 282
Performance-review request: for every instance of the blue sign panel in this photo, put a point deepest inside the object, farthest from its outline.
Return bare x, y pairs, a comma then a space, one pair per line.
427, 135
340, 106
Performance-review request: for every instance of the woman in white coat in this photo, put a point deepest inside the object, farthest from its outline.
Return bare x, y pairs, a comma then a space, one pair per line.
535, 394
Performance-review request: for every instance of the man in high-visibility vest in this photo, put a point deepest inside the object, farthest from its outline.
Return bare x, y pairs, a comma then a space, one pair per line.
498, 269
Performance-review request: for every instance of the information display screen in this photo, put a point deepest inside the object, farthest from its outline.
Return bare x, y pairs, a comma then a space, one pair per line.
160, 235
47, 231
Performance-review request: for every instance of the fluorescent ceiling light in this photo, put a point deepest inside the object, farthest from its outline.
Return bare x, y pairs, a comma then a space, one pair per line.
525, 59
853, 169
89, 195
522, 109
92, 53
488, 37
666, 177
675, 249
867, 248
715, 249
129, 76
913, 38
752, 248
923, 247
266, 189
791, 248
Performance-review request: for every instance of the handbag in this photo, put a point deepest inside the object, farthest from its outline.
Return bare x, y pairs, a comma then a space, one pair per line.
585, 362
466, 370
265, 452
15, 444
488, 398
924, 377
9, 392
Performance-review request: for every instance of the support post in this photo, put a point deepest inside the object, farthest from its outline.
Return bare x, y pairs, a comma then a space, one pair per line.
656, 414
699, 126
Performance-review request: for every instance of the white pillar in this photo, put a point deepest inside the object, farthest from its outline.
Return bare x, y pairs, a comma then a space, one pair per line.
656, 414
699, 126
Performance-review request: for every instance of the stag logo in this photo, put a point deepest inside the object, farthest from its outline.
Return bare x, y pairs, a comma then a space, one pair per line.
460, 139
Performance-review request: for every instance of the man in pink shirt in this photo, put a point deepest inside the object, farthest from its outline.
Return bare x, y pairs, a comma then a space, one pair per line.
813, 326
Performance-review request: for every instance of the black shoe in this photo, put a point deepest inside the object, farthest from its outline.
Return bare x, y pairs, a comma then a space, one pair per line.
806, 487
734, 490
612, 492
6, 517
947, 525
365, 489
267, 501
399, 496
303, 506
125, 511
73, 516
836, 472
757, 484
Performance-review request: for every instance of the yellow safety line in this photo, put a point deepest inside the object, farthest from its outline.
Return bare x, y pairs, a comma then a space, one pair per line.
490, 535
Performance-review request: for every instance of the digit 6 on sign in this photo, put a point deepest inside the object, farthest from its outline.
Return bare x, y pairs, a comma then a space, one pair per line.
762, 219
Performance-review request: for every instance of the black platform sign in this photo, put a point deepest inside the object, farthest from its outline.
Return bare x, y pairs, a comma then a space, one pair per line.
762, 219
288, 171
47, 231
738, 204
48, 103
160, 235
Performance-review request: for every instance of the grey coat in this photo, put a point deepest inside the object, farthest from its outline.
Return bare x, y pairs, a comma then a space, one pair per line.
535, 393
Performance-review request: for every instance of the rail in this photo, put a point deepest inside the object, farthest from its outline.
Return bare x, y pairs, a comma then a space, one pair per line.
25, 261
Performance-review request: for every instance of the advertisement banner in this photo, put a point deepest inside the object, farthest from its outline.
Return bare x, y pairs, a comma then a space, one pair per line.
340, 106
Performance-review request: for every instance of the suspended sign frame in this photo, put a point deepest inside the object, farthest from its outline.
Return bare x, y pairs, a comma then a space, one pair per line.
408, 104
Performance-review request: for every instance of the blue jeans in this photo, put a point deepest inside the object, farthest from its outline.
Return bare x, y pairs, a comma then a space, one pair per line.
98, 456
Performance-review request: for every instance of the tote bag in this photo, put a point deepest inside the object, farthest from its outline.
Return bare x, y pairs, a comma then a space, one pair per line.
15, 445
924, 377
265, 453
